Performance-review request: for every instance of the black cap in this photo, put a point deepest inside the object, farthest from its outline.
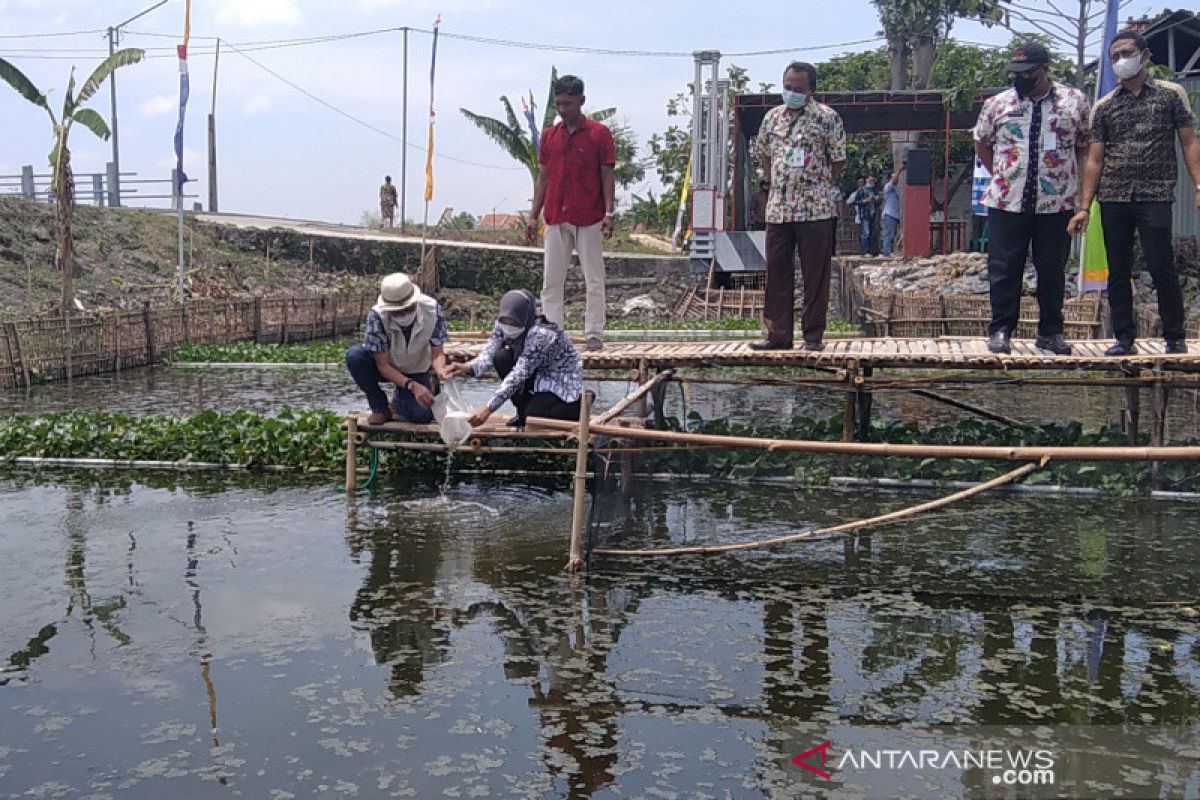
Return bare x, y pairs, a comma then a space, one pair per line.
1027, 56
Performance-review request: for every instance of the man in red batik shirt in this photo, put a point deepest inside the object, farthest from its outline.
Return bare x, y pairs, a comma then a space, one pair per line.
575, 188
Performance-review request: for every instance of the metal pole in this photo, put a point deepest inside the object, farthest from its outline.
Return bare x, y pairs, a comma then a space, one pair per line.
404, 137
114, 188
177, 180
212, 138
114, 35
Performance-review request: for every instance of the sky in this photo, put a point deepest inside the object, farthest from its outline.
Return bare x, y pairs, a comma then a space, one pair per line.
283, 153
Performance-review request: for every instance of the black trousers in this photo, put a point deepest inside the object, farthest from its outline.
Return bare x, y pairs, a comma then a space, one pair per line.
1152, 223
1009, 240
814, 242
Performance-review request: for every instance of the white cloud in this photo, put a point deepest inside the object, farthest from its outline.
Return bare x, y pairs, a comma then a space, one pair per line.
258, 13
158, 105
257, 104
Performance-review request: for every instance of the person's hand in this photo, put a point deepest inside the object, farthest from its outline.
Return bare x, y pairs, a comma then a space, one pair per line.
480, 416
606, 227
531, 231
422, 395
1079, 221
457, 370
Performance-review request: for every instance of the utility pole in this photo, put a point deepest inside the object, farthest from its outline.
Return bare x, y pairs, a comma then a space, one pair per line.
114, 38
404, 136
212, 138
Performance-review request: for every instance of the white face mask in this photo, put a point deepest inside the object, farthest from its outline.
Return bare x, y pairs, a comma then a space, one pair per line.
405, 317
510, 331
1127, 68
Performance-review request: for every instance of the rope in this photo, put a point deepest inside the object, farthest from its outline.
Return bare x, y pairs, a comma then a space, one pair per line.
884, 519
370, 478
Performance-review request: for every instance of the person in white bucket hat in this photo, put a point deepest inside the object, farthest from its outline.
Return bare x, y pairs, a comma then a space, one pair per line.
402, 346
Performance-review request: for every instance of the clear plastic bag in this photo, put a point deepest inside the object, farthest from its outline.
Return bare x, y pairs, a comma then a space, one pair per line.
451, 413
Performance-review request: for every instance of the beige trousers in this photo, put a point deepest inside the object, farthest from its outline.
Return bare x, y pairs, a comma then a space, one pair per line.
588, 241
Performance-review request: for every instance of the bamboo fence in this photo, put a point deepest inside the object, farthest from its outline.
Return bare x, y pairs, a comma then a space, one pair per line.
57, 348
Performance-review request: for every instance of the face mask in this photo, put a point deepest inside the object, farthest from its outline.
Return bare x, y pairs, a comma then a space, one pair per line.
510, 331
794, 100
1023, 84
405, 317
1127, 68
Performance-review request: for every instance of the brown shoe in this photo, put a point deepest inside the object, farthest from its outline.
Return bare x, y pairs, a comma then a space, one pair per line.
378, 417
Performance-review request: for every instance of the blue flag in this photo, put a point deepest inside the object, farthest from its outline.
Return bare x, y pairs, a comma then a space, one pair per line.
180, 177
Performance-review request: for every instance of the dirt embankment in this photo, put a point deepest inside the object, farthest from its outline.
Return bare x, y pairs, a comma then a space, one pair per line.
127, 256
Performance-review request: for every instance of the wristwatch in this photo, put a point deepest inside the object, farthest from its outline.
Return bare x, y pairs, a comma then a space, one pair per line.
408, 385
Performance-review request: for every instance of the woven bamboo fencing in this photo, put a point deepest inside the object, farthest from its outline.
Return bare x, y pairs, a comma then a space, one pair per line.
912, 315
53, 348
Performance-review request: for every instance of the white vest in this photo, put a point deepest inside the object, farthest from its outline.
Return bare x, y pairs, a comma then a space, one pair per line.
412, 355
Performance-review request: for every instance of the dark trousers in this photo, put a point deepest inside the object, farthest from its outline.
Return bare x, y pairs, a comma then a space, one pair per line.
1152, 222
547, 405
365, 372
814, 242
1009, 239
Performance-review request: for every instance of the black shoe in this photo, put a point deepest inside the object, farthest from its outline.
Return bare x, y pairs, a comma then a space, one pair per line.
769, 345
516, 422
1123, 347
1176, 347
1000, 342
1056, 344
812, 347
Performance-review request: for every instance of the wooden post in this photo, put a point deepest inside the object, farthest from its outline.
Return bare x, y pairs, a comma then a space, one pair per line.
67, 346
333, 328
643, 377
1133, 408
15, 338
117, 342
575, 557
1160, 395
864, 401
283, 335
148, 323
258, 320
351, 453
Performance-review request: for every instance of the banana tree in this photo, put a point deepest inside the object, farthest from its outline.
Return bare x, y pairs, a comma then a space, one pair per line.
514, 136
62, 181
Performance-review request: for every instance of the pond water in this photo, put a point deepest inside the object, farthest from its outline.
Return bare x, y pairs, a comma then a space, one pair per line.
189, 390
167, 636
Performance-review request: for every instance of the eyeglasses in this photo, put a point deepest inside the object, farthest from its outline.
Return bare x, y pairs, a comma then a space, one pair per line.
1117, 56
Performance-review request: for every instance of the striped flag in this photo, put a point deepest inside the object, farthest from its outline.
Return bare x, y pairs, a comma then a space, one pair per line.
533, 130
432, 114
184, 89
1094, 275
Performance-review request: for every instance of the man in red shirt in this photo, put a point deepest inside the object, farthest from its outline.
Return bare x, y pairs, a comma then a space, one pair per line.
575, 188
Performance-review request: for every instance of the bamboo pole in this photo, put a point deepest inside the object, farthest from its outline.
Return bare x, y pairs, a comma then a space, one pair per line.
884, 449
883, 519
438, 447
575, 556
351, 453
631, 398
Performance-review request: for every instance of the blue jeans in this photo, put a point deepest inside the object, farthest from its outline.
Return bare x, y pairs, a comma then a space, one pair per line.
889, 234
364, 371
864, 233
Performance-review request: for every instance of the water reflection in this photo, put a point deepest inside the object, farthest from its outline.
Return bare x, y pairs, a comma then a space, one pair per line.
487, 670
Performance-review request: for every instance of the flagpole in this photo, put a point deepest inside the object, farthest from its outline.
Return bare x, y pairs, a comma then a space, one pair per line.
429, 148
1106, 80
404, 137
180, 177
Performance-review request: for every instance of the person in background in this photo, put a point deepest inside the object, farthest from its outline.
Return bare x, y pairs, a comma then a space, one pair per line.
1131, 169
865, 200
802, 147
891, 210
406, 332
1031, 138
387, 202
541, 371
577, 190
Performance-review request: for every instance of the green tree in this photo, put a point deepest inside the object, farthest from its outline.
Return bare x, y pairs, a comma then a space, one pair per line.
513, 135
62, 181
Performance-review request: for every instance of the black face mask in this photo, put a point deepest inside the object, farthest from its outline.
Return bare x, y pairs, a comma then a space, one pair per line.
1024, 84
